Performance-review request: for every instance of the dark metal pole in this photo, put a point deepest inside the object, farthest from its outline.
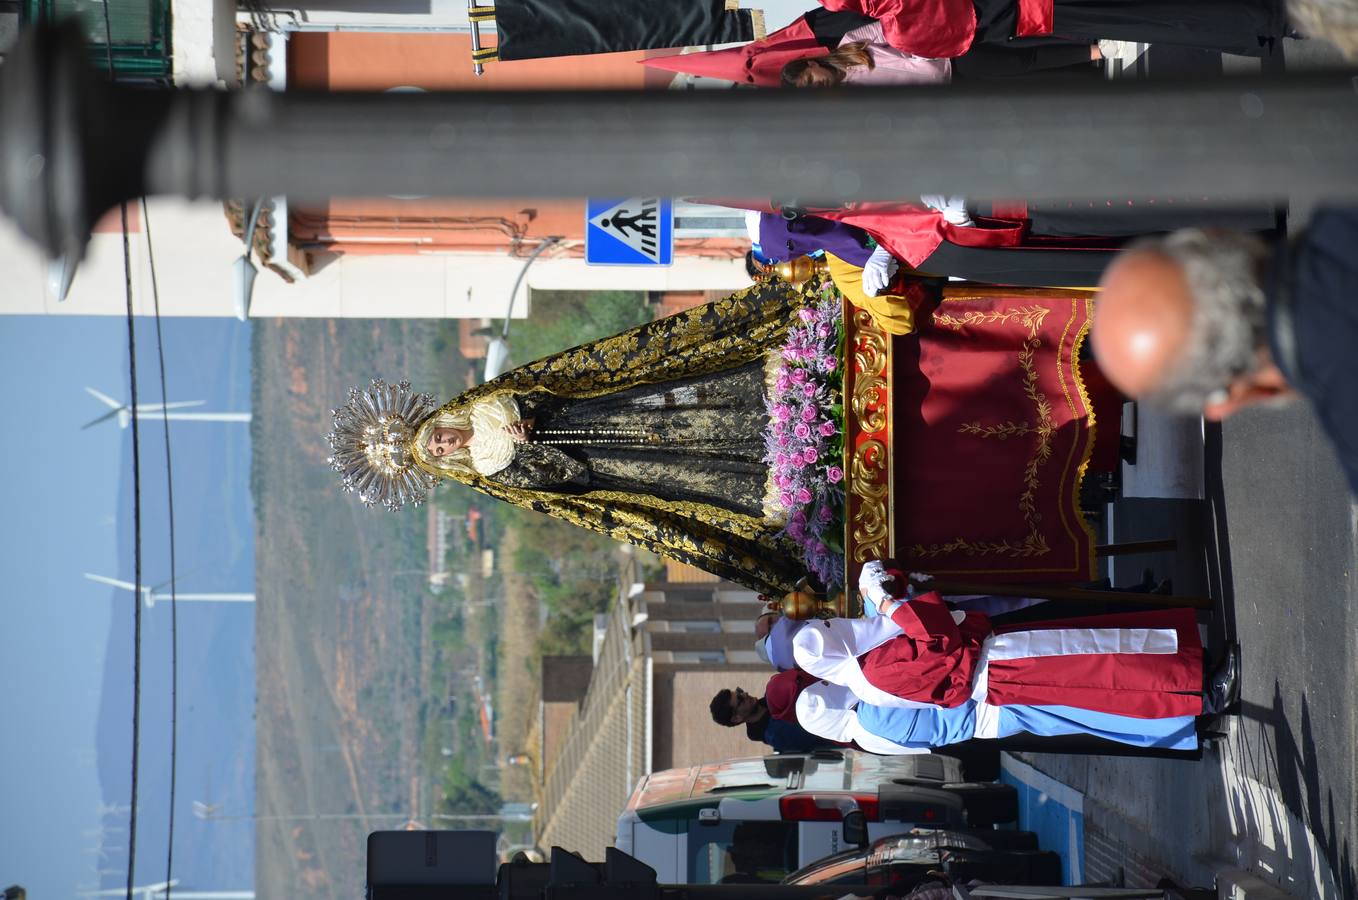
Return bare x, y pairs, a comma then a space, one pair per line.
70, 146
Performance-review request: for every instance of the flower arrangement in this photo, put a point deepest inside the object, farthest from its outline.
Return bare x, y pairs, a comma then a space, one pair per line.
805, 438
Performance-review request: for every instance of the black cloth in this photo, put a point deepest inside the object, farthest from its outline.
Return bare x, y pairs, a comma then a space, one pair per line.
1114, 221
532, 29
696, 439
985, 61
1230, 26
1026, 268
1122, 218
830, 26
1313, 326
784, 737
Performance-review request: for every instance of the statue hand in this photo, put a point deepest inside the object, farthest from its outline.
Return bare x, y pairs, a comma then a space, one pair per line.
519, 430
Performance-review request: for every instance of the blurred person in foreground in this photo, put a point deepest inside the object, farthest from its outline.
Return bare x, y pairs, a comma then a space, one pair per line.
1208, 323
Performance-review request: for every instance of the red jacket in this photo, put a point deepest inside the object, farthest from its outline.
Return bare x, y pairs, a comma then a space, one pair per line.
939, 28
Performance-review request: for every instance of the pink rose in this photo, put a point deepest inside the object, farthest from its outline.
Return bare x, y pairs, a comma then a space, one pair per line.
834, 474
809, 454
806, 315
783, 382
780, 459
799, 375
829, 363
809, 390
809, 414
827, 429
783, 439
823, 331
803, 496
785, 498
782, 412
802, 430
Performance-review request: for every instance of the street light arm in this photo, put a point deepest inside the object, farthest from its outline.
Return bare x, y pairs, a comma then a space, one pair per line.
514, 291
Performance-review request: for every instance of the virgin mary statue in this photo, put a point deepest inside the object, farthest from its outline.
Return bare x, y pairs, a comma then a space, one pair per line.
655, 436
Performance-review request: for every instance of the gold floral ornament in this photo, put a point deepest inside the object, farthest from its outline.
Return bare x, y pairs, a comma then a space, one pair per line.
370, 445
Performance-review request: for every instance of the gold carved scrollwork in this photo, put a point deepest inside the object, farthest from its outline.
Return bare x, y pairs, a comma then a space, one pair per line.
869, 405
867, 476
869, 387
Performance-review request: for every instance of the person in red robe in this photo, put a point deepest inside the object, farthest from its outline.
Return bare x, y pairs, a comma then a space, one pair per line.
940, 28
950, 28
921, 652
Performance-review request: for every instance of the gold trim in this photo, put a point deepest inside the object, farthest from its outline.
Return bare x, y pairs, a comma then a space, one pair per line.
481, 14
761, 30
732, 5
489, 54
1088, 454
869, 522
870, 529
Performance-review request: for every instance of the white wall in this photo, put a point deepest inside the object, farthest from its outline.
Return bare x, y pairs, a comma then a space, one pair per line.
195, 249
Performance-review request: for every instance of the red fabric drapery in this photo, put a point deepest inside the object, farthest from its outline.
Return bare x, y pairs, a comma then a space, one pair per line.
979, 459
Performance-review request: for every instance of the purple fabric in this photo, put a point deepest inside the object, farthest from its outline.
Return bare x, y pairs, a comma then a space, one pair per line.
782, 239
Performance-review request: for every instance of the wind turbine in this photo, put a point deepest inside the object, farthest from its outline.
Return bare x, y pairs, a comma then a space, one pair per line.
124, 414
159, 411
150, 595
147, 891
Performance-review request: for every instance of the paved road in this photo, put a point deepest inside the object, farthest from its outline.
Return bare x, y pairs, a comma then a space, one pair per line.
1278, 534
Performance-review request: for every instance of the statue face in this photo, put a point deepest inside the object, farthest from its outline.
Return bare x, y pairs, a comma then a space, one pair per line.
443, 441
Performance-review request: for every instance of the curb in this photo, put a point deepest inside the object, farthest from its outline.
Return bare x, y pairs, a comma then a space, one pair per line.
1239, 884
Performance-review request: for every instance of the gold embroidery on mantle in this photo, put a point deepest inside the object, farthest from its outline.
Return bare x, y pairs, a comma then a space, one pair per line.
869, 405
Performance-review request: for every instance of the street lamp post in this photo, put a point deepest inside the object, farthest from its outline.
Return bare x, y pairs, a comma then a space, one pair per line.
497, 351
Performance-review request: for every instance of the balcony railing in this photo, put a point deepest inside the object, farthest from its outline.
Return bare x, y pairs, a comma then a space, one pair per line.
138, 31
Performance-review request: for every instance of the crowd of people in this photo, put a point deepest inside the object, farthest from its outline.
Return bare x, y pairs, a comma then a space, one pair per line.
922, 671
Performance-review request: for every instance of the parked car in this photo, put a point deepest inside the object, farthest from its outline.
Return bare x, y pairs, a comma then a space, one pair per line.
759, 819
905, 860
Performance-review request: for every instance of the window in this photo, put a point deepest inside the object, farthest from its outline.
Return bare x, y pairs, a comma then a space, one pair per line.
735, 851
703, 626
699, 656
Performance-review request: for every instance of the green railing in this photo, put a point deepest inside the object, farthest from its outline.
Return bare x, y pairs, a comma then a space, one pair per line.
138, 32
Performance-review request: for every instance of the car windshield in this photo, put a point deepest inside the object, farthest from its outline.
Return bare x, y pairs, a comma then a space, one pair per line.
736, 852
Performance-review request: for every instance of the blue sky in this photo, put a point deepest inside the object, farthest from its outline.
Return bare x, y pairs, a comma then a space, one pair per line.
65, 642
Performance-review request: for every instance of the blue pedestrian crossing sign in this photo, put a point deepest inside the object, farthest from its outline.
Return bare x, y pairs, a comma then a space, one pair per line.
632, 231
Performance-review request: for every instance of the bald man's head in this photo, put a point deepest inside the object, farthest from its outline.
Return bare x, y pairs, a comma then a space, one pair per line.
1143, 319
1180, 319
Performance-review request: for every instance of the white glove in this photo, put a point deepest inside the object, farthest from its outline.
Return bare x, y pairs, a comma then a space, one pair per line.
872, 582
954, 209
878, 271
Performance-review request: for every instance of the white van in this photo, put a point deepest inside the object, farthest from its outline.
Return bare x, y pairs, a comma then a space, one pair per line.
748, 820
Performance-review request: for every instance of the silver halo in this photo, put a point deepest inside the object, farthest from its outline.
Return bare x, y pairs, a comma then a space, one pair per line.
369, 444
